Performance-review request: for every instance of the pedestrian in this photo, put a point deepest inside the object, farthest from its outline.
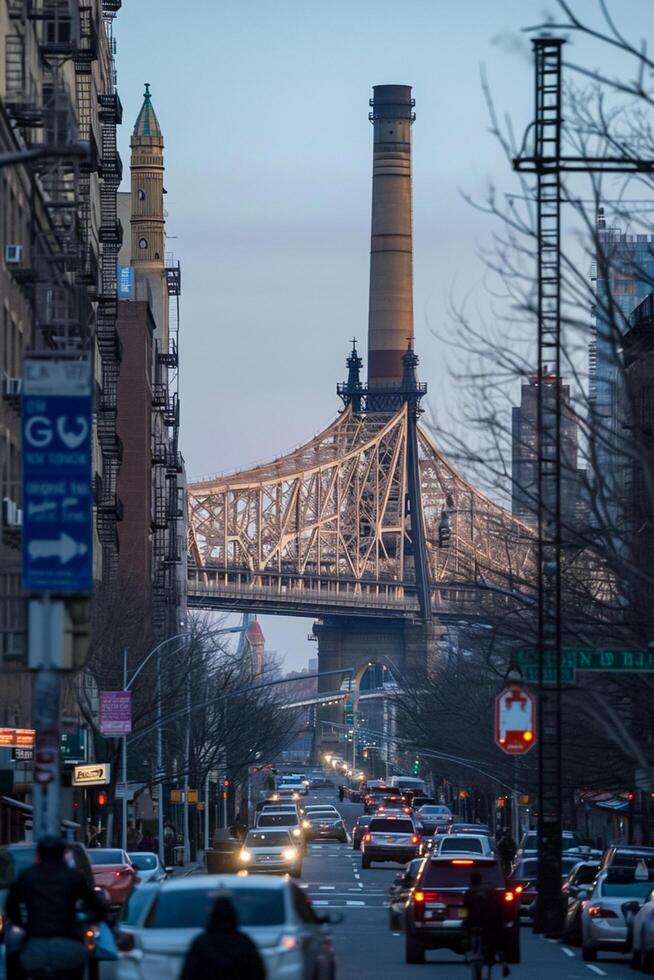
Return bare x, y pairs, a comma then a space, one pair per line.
506, 849
341, 793
222, 950
147, 842
134, 837
93, 837
43, 902
169, 843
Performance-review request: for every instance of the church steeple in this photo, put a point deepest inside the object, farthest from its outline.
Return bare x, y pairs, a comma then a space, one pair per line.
147, 208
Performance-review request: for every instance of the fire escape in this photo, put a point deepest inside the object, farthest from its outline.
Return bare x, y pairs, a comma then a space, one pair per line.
109, 505
168, 496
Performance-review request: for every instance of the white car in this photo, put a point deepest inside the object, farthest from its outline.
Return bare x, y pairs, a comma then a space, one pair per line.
161, 922
464, 844
642, 951
148, 866
616, 895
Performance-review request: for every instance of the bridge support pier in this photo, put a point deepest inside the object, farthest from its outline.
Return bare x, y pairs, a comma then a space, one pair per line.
406, 648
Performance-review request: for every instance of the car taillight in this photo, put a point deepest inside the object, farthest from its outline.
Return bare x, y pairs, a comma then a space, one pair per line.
598, 912
407, 809
123, 871
415, 839
508, 896
125, 942
420, 898
518, 889
460, 861
367, 837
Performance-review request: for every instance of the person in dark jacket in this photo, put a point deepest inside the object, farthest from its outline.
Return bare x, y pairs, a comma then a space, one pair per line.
222, 950
43, 898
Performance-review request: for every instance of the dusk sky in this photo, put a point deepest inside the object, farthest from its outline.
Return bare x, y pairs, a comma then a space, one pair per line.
263, 105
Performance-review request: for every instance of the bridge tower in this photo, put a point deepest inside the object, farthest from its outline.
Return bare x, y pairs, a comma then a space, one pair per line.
352, 643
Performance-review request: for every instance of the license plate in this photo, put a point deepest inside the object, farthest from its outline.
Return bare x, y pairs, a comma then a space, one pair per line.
389, 840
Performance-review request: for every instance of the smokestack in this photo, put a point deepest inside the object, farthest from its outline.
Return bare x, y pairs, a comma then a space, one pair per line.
390, 316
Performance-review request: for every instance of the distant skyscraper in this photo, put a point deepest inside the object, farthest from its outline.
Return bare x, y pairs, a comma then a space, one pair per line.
624, 275
524, 462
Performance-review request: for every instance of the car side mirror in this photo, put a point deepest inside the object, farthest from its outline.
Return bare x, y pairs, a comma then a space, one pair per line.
169, 869
332, 918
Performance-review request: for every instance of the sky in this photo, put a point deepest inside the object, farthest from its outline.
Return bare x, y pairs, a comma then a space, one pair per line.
268, 150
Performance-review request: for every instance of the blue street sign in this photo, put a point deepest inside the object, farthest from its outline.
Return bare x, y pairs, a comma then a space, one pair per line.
57, 423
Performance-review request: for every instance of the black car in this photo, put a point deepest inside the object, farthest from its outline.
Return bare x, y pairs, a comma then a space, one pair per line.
323, 824
399, 892
359, 829
435, 915
577, 887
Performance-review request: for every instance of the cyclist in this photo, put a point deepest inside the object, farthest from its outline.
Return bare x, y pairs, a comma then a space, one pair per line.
43, 902
484, 925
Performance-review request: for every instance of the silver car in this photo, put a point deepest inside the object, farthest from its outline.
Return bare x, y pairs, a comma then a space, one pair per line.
464, 844
642, 951
155, 936
616, 897
148, 866
270, 852
392, 838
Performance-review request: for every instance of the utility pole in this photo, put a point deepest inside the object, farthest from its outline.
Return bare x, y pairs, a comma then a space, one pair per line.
123, 802
548, 162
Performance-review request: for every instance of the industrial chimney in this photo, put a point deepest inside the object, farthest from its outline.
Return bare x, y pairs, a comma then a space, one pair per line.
390, 316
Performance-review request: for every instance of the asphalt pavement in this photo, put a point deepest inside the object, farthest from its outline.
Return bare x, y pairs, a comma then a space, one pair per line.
366, 947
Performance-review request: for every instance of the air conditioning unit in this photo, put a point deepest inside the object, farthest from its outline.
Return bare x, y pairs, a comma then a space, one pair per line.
11, 386
13, 254
12, 514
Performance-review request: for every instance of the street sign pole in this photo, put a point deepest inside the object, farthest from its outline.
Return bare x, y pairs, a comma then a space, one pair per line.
123, 802
57, 546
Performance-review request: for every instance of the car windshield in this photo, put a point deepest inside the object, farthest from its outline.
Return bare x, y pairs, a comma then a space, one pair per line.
434, 811
106, 856
189, 908
450, 875
323, 814
527, 869
278, 820
280, 808
461, 844
364, 820
379, 825
586, 873
268, 838
13, 860
144, 862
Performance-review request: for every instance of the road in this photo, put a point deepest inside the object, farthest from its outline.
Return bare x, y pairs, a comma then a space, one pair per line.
366, 947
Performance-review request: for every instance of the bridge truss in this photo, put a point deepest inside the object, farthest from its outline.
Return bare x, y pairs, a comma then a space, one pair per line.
327, 529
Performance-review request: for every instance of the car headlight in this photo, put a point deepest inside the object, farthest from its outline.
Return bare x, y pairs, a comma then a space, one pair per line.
245, 855
306, 824
289, 854
296, 831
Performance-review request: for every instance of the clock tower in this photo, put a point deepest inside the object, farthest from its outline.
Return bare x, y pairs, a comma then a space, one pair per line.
147, 212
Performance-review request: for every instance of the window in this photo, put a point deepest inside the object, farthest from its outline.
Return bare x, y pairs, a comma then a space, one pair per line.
143, 243
469, 844
140, 194
189, 908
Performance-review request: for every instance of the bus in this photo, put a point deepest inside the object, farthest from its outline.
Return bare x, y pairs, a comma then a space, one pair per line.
409, 784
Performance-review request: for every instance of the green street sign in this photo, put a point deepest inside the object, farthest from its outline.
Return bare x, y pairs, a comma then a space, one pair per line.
73, 746
585, 658
530, 673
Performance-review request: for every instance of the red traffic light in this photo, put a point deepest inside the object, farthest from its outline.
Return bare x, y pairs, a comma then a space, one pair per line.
225, 782
631, 797
102, 799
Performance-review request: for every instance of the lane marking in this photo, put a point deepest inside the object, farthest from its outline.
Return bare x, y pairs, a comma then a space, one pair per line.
568, 952
596, 969
354, 903
318, 902
327, 888
396, 934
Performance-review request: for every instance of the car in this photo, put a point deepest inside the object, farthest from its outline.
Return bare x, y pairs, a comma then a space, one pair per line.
148, 866
528, 845
464, 844
281, 807
319, 806
419, 801
616, 896
576, 888
523, 880
627, 856
324, 824
434, 913
433, 818
113, 870
373, 798
270, 852
273, 912
359, 829
399, 892
269, 819
469, 828
642, 936
293, 783
390, 838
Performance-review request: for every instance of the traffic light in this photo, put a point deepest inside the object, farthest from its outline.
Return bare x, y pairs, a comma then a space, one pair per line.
226, 783
101, 800
365, 753
416, 766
